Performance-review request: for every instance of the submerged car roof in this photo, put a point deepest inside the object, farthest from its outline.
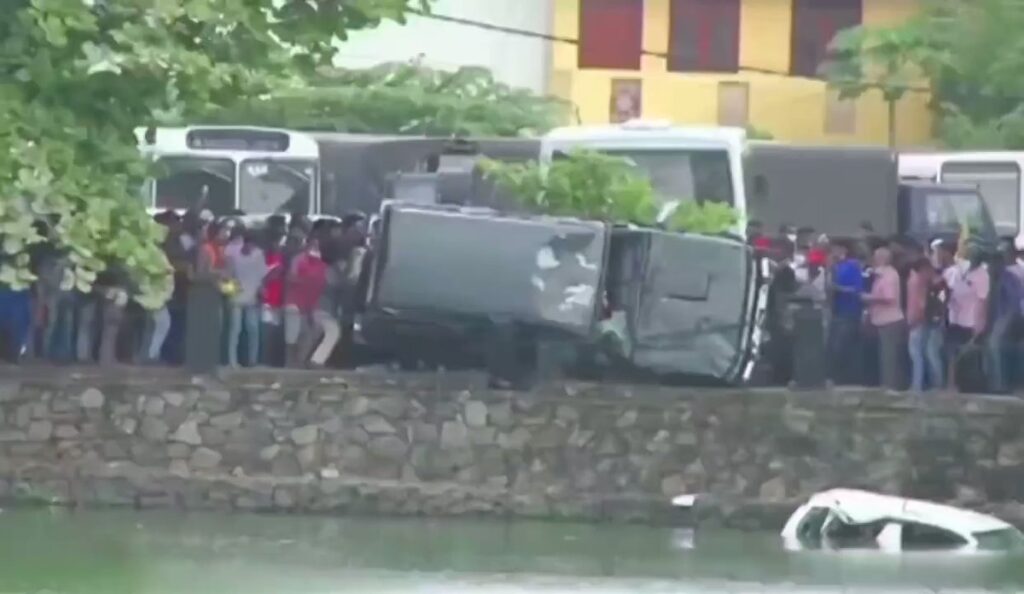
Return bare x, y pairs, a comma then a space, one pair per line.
862, 507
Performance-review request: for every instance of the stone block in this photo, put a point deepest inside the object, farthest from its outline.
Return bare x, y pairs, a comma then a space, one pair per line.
475, 413
204, 459
304, 436
66, 432
153, 429
179, 450
356, 406
175, 399
424, 432
376, 425
212, 436
188, 432
154, 406
40, 430
391, 407
388, 447
91, 398
454, 435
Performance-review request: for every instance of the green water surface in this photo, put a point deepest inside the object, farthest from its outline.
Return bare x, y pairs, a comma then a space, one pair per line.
111, 552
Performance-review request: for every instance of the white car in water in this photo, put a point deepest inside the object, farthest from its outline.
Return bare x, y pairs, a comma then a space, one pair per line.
848, 519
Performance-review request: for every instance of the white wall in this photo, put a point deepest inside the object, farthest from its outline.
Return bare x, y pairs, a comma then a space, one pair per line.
516, 60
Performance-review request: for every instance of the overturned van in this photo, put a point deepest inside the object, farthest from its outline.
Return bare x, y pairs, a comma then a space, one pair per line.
455, 285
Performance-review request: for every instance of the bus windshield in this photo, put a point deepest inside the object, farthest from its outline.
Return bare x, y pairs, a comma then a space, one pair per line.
277, 186
701, 175
180, 183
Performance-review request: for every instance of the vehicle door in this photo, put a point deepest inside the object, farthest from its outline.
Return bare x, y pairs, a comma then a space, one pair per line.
696, 304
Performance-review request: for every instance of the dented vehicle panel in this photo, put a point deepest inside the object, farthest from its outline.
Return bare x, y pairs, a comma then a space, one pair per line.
461, 264
692, 303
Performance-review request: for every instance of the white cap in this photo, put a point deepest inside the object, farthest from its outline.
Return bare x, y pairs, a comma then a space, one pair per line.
1018, 242
206, 216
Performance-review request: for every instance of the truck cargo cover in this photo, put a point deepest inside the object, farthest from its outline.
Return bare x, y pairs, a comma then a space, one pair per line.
468, 264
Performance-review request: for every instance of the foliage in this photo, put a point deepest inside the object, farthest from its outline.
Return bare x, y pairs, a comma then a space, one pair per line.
79, 76
403, 98
755, 133
970, 55
594, 185
704, 217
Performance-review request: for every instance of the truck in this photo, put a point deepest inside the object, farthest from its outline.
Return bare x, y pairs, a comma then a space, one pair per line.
479, 287
839, 191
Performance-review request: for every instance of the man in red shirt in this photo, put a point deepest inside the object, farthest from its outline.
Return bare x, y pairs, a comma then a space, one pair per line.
304, 284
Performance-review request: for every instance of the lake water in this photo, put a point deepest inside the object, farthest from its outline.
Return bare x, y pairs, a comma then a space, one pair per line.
110, 552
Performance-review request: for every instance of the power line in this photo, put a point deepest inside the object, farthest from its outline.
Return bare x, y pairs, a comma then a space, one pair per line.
644, 52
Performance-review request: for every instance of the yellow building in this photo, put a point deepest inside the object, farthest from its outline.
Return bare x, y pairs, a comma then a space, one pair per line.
729, 62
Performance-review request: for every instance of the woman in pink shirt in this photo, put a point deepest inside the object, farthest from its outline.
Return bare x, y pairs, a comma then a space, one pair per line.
885, 314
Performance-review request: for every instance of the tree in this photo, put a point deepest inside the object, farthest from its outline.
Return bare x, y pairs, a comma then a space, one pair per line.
594, 185
404, 98
968, 54
887, 60
79, 75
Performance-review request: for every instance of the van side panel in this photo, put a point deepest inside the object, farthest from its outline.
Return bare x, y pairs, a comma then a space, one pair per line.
830, 189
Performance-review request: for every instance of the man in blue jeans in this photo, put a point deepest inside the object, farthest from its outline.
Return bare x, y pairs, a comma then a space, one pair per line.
844, 337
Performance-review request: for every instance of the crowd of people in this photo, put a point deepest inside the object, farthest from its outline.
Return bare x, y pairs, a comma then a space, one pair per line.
285, 293
898, 314
277, 293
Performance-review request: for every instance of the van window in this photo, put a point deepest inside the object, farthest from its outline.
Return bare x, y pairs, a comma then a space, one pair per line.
999, 184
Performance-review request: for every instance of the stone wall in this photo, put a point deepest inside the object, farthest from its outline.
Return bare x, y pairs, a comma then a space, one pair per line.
443, 444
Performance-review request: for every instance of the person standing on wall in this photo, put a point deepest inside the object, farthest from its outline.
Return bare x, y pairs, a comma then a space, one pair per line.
969, 289
925, 319
205, 318
247, 265
886, 317
1005, 315
303, 287
844, 337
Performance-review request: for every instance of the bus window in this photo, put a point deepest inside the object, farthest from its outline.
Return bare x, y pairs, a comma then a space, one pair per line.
999, 184
683, 174
277, 186
180, 182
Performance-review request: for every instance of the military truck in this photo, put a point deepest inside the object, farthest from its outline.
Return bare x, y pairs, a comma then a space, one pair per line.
837, 190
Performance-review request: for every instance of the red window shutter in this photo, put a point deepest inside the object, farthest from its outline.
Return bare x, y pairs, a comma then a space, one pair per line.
815, 23
611, 34
704, 35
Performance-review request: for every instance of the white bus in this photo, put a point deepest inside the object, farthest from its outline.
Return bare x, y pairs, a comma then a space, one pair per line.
255, 171
682, 162
997, 175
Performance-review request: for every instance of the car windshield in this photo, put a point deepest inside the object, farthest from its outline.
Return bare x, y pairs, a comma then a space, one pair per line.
1006, 539
277, 186
182, 181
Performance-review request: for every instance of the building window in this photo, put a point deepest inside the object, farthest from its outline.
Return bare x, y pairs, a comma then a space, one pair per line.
611, 34
733, 104
840, 114
626, 100
704, 36
815, 23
